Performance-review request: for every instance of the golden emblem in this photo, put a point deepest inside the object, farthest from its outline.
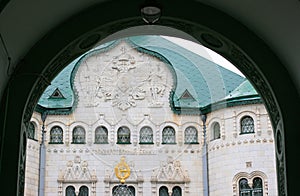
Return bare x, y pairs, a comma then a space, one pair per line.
122, 170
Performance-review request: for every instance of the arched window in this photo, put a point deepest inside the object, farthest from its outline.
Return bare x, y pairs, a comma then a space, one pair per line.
123, 135
101, 135
176, 191
257, 187
216, 131
78, 135
56, 135
163, 191
31, 130
132, 190
168, 135
146, 135
247, 125
123, 190
191, 135
83, 191
70, 191
244, 187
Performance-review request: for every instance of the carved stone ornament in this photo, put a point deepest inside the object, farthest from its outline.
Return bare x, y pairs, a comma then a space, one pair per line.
122, 78
77, 171
170, 172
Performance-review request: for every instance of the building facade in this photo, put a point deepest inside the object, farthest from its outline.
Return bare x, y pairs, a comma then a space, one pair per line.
177, 129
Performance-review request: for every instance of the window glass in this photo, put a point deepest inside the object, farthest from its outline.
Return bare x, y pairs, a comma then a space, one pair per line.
56, 135
216, 131
257, 187
168, 135
191, 135
247, 125
123, 135
70, 191
83, 191
146, 135
244, 188
163, 191
101, 135
78, 135
176, 191
31, 130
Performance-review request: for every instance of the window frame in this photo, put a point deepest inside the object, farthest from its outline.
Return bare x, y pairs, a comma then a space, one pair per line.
62, 135
105, 130
84, 140
118, 135
140, 134
244, 118
196, 141
174, 135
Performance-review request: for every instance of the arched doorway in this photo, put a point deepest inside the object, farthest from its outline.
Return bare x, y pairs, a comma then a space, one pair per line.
209, 26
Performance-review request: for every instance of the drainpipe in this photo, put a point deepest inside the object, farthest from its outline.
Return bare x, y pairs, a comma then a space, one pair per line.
42, 160
204, 158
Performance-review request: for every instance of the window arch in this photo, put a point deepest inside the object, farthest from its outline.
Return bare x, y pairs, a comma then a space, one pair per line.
83, 191
216, 131
191, 135
78, 135
163, 191
146, 135
123, 190
70, 191
101, 135
255, 190
168, 135
176, 191
247, 125
123, 135
244, 187
257, 187
31, 130
56, 135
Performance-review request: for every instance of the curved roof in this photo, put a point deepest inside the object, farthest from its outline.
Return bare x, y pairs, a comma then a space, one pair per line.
200, 82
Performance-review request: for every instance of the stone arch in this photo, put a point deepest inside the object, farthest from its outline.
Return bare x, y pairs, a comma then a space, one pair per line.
250, 177
64, 44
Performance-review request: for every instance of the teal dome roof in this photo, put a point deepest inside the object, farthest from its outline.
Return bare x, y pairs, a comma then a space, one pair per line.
200, 82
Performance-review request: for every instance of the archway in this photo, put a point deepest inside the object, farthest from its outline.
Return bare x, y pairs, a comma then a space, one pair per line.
212, 28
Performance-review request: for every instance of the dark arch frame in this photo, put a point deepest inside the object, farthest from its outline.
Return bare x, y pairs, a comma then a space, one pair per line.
211, 27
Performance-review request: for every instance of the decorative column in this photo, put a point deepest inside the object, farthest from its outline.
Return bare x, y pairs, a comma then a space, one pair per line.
204, 158
42, 160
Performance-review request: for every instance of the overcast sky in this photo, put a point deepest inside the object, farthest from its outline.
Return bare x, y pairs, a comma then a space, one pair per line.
205, 52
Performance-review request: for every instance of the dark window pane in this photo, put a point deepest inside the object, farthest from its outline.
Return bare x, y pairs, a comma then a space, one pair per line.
56, 135
247, 125
123, 135
78, 135
70, 191
190, 135
146, 135
101, 135
163, 191
168, 135
83, 191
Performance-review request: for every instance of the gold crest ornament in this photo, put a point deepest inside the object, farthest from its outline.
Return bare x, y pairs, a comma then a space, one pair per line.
122, 170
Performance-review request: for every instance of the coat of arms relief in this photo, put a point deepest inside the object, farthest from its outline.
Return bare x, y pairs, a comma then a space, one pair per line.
127, 78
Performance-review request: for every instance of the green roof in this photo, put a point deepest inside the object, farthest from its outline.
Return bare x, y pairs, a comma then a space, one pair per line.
200, 82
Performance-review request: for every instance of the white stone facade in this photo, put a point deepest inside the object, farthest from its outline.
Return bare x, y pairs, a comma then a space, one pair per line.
132, 89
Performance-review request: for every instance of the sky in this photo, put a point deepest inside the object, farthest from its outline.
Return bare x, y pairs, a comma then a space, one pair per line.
205, 52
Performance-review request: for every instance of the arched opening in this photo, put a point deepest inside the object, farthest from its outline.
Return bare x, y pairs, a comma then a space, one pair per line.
244, 56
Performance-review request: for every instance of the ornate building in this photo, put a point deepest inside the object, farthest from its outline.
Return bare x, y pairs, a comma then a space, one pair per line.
182, 124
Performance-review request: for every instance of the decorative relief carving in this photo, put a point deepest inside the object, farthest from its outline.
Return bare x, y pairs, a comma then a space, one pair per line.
171, 172
123, 81
77, 171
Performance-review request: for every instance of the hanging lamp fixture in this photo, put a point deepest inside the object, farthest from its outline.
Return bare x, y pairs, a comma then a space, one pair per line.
150, 11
